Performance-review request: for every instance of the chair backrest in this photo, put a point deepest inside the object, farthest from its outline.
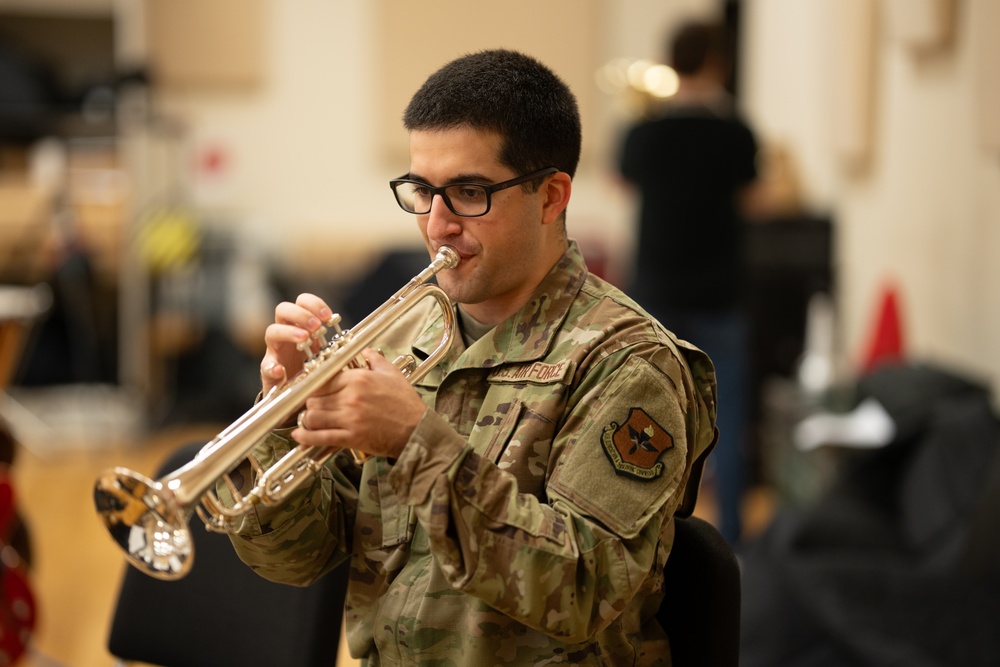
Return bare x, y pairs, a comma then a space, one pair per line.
701, 610
222, 613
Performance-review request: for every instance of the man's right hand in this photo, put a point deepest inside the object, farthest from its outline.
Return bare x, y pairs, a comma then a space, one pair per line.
293, 324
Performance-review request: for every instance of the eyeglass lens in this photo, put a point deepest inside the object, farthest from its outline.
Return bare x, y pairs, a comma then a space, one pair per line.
463, 199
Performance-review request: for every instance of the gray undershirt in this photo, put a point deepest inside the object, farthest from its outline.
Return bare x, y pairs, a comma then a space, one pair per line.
472, 329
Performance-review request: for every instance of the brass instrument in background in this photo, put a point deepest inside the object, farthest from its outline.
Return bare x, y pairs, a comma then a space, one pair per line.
149, 519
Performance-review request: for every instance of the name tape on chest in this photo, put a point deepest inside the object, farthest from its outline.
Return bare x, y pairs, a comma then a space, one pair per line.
537, 372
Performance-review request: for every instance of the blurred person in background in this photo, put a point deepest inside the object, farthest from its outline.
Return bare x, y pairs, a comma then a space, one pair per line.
694, 168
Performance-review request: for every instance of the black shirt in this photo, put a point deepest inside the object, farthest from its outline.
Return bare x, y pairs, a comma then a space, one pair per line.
689, 166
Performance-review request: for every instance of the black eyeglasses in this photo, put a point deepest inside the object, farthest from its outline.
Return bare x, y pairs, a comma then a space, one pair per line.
469, 200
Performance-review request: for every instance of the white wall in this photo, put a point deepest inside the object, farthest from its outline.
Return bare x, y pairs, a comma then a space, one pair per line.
924, 214
304, 156
301, 143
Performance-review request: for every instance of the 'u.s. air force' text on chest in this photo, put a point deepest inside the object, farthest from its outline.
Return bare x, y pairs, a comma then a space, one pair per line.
538, 371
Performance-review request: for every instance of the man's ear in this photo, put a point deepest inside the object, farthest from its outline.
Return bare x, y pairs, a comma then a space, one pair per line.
555, 191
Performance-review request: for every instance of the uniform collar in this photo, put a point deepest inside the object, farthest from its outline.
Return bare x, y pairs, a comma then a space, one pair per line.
528, 334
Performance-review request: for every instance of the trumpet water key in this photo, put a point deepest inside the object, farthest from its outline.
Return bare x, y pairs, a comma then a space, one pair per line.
149, 519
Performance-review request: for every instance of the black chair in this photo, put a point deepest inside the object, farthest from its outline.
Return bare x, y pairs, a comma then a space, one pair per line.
701, 610
222, 613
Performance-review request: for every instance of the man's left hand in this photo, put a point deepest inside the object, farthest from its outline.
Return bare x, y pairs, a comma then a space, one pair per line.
372, 410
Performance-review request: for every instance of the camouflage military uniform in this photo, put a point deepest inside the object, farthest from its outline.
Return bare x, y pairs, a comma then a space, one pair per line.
528, 518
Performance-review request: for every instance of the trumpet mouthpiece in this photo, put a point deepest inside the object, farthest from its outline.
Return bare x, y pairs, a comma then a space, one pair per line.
448, 257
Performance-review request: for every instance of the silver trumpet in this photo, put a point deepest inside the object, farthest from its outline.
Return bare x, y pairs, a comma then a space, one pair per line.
149, 519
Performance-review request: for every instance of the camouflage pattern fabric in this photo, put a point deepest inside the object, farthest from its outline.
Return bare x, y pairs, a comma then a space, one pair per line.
528, 519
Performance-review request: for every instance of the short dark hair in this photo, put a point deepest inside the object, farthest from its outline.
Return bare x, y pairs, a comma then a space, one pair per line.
523, 101
694, 43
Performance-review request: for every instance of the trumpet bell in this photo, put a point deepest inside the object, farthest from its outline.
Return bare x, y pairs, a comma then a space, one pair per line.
146, 522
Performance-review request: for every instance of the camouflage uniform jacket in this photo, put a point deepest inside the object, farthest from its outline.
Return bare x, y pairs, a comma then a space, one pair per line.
528, 519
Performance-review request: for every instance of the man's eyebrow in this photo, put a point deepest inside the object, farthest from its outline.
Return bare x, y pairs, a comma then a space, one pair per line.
472, 177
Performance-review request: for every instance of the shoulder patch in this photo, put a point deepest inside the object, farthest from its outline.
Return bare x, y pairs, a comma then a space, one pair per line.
634, 448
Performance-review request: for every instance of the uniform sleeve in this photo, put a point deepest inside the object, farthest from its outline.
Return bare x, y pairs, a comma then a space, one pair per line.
303, 539
567, 567
306, 537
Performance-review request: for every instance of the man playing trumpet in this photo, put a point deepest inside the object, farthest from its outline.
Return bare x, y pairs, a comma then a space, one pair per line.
517, 502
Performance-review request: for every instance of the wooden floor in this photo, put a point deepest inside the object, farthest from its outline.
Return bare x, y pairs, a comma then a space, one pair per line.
76, 568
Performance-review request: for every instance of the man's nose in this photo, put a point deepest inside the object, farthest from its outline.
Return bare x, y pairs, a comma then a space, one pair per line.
441, 222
